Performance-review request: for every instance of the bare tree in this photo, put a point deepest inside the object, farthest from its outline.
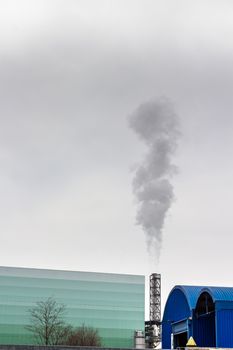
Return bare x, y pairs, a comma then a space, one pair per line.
47, 323
84, 336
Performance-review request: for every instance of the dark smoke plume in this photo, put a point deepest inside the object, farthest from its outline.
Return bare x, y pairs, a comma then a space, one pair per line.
157, 125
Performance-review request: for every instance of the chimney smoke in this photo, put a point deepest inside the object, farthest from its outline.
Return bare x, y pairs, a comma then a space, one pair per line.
156, 123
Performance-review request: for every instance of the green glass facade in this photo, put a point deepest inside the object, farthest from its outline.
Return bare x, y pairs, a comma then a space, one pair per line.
112, 303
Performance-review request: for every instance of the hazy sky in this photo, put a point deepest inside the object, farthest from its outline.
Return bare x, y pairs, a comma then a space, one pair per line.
71, 74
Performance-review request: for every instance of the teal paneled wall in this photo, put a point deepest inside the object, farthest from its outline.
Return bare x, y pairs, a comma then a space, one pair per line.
112, 303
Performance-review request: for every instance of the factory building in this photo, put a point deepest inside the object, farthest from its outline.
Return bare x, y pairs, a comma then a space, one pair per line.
111, 303
205, 313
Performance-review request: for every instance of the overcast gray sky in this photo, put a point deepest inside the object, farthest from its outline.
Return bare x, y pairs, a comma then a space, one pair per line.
71, 74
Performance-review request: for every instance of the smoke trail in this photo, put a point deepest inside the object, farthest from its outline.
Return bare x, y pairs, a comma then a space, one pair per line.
157, 125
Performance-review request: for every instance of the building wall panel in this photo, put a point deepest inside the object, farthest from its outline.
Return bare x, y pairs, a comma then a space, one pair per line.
112, 303
204, 330
225, 328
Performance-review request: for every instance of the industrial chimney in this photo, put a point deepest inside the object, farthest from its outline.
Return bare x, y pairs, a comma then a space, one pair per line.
153, 326
155, 297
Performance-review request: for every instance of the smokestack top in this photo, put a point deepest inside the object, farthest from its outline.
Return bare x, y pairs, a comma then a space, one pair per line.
158, 275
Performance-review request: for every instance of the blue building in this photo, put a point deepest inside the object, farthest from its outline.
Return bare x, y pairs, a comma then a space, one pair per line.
205, 313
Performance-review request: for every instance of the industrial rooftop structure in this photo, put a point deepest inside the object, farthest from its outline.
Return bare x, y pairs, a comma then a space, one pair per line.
205, 313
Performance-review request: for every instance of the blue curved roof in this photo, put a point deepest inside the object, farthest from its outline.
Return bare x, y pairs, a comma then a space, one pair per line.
191, 293
219, 293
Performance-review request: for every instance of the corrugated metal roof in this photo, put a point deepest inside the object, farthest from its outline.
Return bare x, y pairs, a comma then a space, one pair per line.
191, 292
219, 293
